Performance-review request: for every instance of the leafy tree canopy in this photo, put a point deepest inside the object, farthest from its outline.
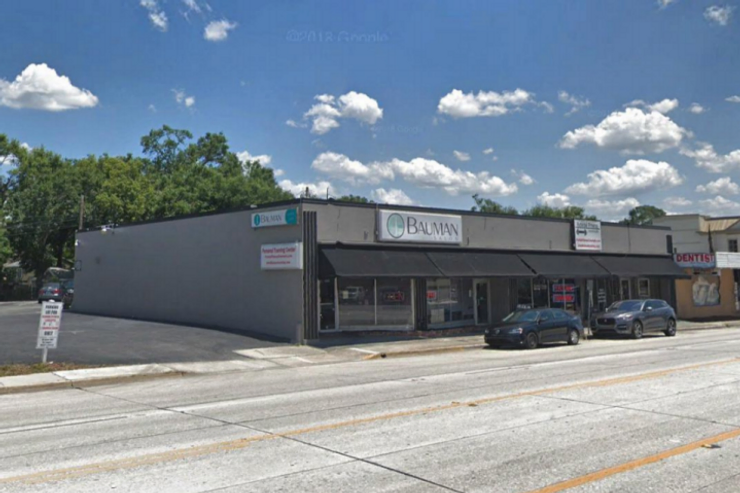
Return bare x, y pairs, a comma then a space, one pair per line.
356, 199
643, 214
492, 207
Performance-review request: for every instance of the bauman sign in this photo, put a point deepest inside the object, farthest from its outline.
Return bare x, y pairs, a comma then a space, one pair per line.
419, 227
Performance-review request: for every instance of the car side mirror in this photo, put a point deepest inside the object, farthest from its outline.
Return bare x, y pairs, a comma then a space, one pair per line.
648, 309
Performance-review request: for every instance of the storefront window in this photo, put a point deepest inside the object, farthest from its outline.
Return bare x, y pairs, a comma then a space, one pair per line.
450, 302
540, 293
624, 287
643, 288
524, 293
395, 302
356, 302
565, 294
326, 295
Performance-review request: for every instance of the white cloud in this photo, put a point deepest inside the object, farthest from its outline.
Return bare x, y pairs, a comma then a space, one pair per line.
26, 146
664, 106
576, 103
422, 172
636, 176
733, 99
318, 189
488, 151
523, 177
39, 87
707, 158
461, 156
392, 196
328, 110
156, 15
183, 99
218, 30
558, 200
193, 6
677, 202
343, 168
719, 206
278, 172
722, 186
264, 159
632, 131
152, 108
719, 15
295, 124
665, 3
467, 105
697, 109
611, 209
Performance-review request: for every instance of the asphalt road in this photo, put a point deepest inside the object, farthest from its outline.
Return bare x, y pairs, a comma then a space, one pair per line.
87, 339
657, 415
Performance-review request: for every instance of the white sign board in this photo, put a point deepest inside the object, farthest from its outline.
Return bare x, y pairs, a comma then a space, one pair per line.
728, 260
275, 218
419, 227
588, 235
51, 321
282, 256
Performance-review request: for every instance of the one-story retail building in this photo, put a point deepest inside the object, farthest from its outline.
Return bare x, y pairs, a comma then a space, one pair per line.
303, 268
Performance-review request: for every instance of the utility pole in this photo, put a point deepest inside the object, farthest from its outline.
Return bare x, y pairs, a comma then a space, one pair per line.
82, 212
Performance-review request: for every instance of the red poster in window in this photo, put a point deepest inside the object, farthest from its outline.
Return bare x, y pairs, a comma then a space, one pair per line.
563, 298
564, 288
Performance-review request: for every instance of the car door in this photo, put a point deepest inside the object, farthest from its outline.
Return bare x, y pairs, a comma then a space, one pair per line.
546, 326
560, 325
652, 315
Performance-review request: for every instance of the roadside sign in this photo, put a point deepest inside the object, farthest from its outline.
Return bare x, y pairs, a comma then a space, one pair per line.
49, 324
587, 235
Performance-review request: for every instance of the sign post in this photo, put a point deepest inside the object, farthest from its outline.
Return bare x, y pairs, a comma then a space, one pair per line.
51, 321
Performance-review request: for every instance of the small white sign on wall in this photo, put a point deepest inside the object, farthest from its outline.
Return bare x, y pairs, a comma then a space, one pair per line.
281, 256
588, 235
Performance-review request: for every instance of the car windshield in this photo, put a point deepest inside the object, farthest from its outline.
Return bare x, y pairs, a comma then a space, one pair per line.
625, 306
522, 316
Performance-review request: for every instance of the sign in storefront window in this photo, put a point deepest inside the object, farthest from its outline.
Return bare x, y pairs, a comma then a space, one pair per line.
450, 302
705, 289
565, 294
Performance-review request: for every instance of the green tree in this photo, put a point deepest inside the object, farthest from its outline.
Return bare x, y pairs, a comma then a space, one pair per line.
643, 214
568, 212
492, 207
358, 199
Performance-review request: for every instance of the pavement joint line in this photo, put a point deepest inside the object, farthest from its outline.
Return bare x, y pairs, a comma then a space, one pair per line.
238, 444
637, 463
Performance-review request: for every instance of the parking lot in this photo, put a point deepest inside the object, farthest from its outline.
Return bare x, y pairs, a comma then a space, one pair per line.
86, 339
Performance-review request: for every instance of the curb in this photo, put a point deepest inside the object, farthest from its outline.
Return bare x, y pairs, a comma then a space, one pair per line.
423, 352
69, 384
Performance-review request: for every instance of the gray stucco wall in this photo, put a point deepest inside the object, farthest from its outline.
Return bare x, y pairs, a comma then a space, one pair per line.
203, 271
348, 224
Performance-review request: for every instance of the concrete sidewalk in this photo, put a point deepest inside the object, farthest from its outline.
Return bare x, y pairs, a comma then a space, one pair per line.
273, 358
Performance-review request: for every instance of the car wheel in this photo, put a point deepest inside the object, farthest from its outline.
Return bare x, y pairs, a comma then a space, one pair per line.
573, 337
670, 329
531, 341
637, 330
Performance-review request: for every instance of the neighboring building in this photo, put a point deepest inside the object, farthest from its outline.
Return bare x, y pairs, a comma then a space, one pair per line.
707, 248
302, 268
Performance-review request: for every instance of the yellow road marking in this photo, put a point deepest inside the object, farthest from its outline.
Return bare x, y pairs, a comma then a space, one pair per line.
629, 466
231, 445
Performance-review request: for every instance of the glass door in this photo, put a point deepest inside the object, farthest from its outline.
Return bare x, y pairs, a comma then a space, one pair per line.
481, 301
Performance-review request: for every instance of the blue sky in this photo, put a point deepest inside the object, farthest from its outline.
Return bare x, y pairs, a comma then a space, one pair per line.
375, 98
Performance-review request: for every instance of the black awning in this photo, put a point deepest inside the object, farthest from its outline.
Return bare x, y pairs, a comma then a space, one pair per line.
366, 262
479, 264
634, 266
557, 266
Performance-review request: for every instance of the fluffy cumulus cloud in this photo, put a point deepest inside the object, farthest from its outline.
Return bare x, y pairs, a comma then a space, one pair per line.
422, 172
523, 177
707, 158
719, 206
39, 87
461, 156
218, 30
677, 202
156, 15
458, 104
183, 99
722, 186
558, 200
664, 106
576, 103
719, 15
489, 152
636, 176
611, 209
733, 99
324, 115
392, 196
264, 159
315, 189
697, 109
632, 131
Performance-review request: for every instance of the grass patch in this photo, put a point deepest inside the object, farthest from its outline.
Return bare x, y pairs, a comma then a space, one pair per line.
21, 369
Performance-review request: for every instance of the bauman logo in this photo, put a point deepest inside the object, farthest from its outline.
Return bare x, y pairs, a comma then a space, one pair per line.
395, 225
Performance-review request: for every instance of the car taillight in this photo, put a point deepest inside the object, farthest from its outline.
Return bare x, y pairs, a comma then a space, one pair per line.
56, 291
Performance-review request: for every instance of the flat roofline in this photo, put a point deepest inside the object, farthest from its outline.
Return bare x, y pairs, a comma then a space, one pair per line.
340, 203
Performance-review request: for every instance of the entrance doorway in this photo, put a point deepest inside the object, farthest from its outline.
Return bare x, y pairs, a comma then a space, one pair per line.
481, 302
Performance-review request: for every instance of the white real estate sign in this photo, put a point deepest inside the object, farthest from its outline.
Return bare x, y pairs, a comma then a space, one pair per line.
419, 227
51, 321
588, 235
282, 256
282, 217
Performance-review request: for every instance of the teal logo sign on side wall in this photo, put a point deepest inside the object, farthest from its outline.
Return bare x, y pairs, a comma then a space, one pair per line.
285, 217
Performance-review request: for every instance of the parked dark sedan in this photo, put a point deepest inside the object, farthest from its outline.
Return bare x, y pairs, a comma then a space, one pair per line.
634, 318
530, 328
52, 291
69, 293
